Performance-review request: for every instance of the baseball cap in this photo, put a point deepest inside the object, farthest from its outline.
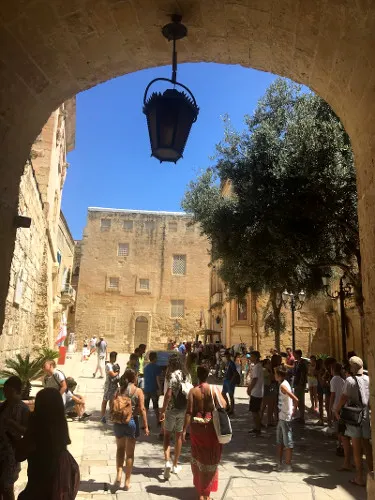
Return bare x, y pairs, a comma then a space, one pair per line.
356, 364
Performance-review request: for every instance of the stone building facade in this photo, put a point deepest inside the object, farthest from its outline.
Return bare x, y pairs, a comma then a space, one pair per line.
35, 302
143, 278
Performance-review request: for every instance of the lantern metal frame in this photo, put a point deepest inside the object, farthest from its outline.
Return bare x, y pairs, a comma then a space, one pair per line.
172, 32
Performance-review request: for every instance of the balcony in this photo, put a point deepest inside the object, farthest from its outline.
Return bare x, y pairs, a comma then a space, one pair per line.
216, 300
68, 295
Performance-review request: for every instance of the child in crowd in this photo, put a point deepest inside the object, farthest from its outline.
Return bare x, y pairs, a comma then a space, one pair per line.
288, 403
75, 404
85, 350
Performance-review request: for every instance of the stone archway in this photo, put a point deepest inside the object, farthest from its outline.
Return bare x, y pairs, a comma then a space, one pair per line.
52, 49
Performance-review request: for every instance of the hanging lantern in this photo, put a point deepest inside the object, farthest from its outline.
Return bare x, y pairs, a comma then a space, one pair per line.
170, 114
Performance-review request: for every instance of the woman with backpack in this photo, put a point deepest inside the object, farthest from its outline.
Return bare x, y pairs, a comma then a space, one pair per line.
173, 411
126, 407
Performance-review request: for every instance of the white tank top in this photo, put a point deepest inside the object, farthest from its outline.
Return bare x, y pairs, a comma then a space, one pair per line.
285, 403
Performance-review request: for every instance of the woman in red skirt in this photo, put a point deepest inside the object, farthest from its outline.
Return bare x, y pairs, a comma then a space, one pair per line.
205, 448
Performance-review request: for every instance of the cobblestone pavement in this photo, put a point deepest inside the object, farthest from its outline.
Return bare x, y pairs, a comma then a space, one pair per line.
247, 465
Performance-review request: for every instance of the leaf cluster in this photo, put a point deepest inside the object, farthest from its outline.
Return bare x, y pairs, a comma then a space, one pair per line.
292, 211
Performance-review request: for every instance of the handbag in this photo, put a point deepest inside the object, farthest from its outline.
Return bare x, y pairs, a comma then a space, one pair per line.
353, 414
221, 421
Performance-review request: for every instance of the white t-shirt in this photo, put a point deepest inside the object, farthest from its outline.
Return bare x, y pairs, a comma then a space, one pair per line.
55, 381
258, 389
337, 385
285, 403
93, 342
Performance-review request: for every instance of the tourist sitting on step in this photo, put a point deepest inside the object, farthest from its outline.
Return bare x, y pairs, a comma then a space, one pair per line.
75, 404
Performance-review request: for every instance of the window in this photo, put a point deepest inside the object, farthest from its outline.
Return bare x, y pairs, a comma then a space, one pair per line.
128, 225
149, 225
113, 283
242, 310
177, 308
105, 224
144, 284
179, 265
110, 325
123, 249
172, 227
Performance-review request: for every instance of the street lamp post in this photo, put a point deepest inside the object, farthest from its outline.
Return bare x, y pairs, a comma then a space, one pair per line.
344, 291
295, 302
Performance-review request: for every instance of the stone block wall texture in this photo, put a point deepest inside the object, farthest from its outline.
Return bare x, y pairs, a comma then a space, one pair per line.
113, 313
25, 321
52, 49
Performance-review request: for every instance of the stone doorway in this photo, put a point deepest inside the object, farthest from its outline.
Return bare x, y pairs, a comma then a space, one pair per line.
141, 331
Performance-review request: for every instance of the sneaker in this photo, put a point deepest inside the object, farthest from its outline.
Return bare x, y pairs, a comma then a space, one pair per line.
288, 468
176, 469
167, 470
278, 468
103, 420
84, 417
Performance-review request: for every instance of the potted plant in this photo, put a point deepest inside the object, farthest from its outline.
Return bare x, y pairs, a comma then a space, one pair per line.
26, 369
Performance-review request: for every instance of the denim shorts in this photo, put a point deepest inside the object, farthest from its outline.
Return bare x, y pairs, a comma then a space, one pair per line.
130, 430
284, 434
363, 431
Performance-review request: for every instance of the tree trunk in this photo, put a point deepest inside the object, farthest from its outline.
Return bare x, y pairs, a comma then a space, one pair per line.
276, 308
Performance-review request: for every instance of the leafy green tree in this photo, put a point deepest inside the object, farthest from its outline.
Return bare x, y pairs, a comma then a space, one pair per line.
291, 213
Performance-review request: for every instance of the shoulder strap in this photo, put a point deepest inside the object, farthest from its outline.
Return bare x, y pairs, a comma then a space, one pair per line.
359, 389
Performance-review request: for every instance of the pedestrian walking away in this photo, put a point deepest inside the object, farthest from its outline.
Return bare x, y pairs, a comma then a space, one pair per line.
112, 370
173, 412
101, 351
205, 447
152, 384
126, 407
256, 392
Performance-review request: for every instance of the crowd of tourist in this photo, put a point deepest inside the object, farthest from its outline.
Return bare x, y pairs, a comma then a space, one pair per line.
276, 385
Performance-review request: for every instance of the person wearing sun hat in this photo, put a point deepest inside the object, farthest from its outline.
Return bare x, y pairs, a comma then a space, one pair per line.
356, 392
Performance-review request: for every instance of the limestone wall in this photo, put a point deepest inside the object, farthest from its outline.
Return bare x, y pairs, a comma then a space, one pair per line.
25, 317
154, 239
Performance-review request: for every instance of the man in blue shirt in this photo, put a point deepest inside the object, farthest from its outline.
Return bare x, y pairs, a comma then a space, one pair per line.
152, 384
182, 349
230, 381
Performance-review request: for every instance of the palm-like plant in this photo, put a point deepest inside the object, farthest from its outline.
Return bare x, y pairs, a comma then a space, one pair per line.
46, 353
24, 368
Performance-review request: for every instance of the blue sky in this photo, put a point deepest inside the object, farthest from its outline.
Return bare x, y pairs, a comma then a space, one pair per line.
111, 165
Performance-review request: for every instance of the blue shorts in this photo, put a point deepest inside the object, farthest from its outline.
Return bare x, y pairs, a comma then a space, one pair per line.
69, 405
228, 388
130, 430
284, 434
